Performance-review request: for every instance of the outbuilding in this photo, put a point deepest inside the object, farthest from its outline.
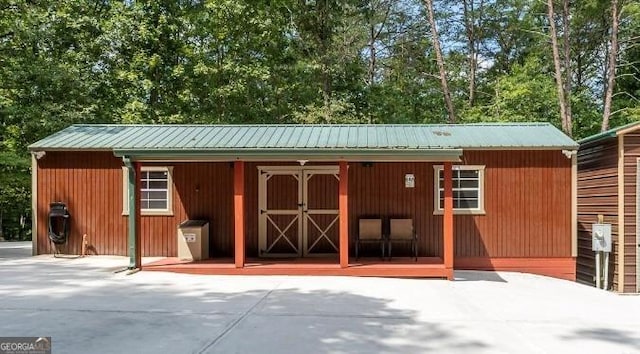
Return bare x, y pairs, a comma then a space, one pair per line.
290, 199
608, 165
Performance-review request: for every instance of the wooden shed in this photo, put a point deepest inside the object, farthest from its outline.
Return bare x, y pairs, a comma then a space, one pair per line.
289, 199
608, 165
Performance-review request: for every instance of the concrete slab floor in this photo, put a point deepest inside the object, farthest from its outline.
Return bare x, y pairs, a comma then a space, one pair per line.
87, 308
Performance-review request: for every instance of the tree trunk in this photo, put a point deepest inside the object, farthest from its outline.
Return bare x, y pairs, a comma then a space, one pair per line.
440, 61
566, 127
372, 66
469, 24
567, 63
611, 69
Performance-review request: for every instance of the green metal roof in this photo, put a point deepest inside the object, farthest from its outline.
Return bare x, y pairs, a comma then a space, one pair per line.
611, 133
312, 140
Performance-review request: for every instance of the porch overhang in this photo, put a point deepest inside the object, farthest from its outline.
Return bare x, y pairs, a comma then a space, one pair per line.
320, 155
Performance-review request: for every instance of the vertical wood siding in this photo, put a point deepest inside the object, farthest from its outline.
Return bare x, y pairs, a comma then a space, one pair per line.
597, 194
90, 183
631, 156
527, 203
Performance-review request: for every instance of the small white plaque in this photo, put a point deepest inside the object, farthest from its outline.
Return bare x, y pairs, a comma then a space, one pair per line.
190, 237
409, 180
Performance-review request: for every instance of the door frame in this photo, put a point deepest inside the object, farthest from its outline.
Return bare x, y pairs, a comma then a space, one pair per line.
300, 174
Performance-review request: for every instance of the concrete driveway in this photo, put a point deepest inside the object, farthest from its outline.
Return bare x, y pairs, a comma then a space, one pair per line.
87, 308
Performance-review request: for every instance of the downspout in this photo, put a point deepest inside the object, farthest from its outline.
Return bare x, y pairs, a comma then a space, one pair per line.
132, 234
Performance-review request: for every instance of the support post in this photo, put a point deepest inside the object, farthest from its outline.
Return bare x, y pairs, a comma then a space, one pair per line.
133, 185
34, 205
238, 210
344, 214
138, 214
448, 219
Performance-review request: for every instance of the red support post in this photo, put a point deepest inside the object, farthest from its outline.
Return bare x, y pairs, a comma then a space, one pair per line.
238, 210
344, 214
448, 219
137, 214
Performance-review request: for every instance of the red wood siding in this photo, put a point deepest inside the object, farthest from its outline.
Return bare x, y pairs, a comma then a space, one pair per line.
597, 194
91, 186
527, 203
631, 156
90, 183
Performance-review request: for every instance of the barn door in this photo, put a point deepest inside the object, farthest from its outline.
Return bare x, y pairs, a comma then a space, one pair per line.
320, 211
280, 208
298, 211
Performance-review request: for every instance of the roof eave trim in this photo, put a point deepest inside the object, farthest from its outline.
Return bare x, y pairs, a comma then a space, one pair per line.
294, 155
598, 137
32, 148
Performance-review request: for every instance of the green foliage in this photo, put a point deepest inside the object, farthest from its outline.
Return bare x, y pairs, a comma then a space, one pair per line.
527, 93
290, 61
15, 197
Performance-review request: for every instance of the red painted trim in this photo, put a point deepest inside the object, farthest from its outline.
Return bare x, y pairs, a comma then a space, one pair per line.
238, 212
138, 214
426, 267
344, 214
557, 267
448, 218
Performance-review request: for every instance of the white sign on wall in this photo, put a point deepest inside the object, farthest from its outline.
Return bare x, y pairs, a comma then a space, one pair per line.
409, 180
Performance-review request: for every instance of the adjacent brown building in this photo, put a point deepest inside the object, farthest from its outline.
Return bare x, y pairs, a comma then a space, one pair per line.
480, 196
608, 165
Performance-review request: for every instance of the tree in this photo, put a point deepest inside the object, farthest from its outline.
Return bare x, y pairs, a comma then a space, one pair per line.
472, 19
15, 196
611, 66
435, 40
567, 125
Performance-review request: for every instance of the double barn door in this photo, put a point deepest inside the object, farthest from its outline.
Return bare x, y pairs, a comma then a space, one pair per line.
298, 211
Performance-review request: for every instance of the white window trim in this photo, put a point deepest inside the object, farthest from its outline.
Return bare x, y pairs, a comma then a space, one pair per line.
436, 191
125, 191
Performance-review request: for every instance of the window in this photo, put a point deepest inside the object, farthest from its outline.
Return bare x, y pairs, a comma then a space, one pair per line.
468, 189
155, 191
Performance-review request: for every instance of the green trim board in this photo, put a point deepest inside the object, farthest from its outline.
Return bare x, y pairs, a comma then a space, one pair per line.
295, 155
611, 133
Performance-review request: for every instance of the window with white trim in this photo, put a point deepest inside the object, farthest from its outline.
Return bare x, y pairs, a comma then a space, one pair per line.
468, 189
155, 190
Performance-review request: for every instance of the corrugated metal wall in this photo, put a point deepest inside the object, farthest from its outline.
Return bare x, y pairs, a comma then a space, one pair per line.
597, 194
527, 203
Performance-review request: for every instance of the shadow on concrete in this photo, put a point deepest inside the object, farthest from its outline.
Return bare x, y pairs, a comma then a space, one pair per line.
624, 338
15, 249
470, 275
207, 314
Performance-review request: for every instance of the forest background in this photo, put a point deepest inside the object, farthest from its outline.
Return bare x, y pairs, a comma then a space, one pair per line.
574, 63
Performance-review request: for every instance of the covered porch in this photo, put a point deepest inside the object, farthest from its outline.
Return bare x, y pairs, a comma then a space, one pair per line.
259, 154
343, 262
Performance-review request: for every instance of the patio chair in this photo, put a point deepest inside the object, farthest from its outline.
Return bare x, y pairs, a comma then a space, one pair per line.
370, 231
402, 231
